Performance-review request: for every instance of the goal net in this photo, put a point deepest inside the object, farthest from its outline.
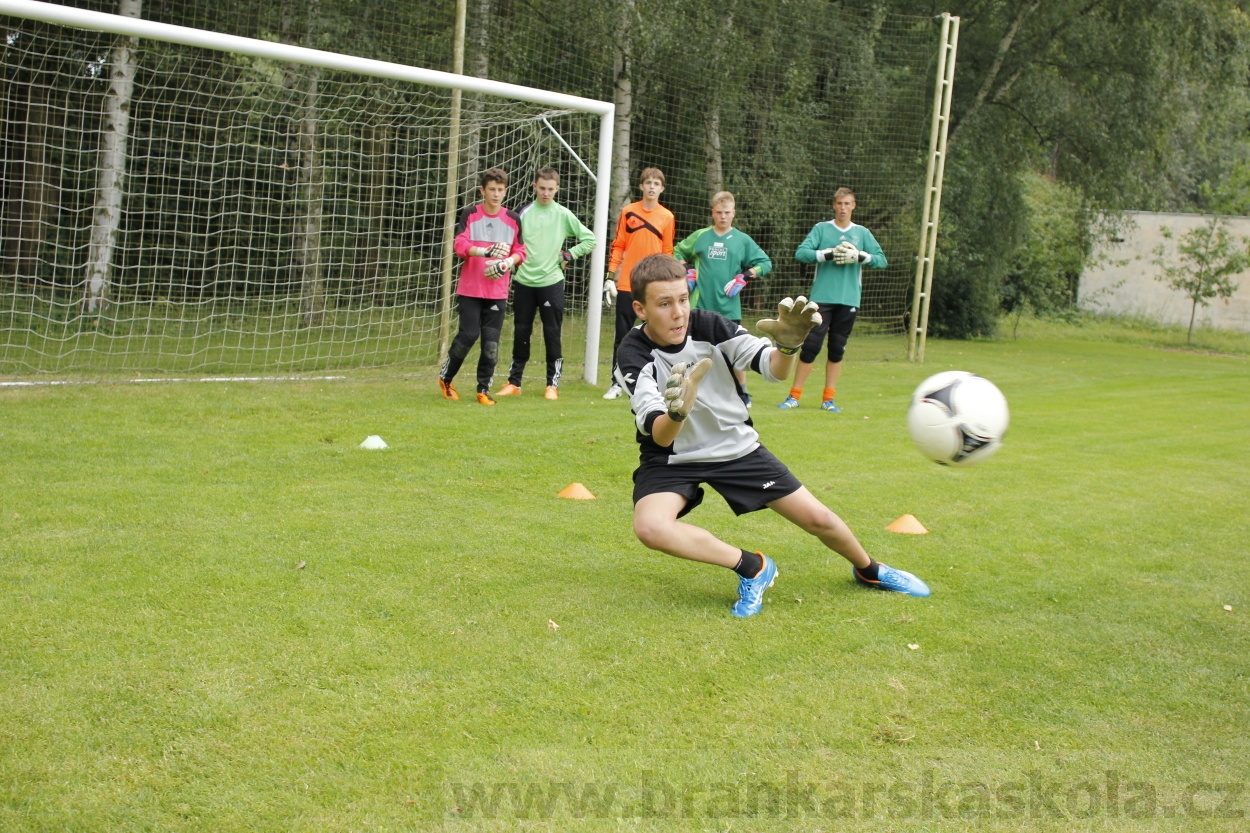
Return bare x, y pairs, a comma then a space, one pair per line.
269, 215
252, 214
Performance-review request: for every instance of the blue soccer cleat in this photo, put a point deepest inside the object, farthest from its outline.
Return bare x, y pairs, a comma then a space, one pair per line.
751, 590
790, 402
897, 581
828, 405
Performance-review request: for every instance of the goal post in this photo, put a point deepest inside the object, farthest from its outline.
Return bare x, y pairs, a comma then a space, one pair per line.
318, 60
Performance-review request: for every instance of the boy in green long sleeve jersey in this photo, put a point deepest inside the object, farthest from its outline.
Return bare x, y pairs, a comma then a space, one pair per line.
840, 249
539, 284
725, 260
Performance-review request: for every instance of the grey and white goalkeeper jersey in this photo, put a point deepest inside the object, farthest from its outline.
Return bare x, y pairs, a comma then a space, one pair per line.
719, 426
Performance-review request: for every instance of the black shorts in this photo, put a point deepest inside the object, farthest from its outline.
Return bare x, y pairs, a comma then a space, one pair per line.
837, 320
747, 484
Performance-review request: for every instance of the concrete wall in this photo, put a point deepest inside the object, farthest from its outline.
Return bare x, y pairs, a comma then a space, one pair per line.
1124, 282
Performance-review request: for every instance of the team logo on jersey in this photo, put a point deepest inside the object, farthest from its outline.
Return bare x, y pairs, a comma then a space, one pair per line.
717, 251
635, 223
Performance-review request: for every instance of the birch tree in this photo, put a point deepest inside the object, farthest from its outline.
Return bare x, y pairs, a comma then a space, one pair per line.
110, 186
623, 98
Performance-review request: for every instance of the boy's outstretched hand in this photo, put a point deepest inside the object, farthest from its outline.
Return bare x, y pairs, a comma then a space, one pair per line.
683, 386
795, 319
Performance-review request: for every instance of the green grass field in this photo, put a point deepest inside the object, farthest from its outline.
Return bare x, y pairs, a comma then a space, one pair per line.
218, 613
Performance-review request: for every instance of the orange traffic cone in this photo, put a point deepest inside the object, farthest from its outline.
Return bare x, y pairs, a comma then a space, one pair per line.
908, 525
576, 491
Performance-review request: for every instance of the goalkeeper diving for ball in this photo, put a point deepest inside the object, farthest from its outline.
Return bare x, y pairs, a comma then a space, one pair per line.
693, 428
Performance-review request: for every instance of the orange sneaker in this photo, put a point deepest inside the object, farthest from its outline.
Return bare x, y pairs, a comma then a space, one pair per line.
448, 390
484, 399
551, 393
509, 390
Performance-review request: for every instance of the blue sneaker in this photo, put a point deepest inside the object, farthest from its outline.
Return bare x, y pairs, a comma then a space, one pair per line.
790, 402
828, 405
751, 590
898, 581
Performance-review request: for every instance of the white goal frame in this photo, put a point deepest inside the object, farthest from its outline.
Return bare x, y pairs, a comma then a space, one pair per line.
152, 30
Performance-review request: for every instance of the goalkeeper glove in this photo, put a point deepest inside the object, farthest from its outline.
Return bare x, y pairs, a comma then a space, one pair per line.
498, 268
609, 292
692, 279
847, 253
497, 251
795, 319
735, 286
565, 259
683, 386
825, 255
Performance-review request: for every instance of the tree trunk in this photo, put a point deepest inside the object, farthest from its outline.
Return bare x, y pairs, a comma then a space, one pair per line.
479, 68
306, 246
377, 206
311, 174
623, 98
712, 151
110, 186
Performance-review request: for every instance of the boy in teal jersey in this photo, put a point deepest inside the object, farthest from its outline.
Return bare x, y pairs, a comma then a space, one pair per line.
725, 260
840, 249
539, 284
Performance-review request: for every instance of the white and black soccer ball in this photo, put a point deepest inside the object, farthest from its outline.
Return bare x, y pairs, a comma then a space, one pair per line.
957, 418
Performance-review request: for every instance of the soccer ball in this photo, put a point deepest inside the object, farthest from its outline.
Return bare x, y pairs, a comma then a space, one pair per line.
957, 418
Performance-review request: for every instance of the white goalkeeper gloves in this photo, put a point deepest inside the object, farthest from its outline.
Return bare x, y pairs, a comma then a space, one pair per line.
843, 253
795, 319
609, 291
496, 251
847, 253
682, 388
498, 268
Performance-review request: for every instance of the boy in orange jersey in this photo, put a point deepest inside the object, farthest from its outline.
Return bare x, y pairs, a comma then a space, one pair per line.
645, 228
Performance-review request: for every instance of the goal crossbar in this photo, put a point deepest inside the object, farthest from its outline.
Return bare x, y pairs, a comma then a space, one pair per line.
219, 42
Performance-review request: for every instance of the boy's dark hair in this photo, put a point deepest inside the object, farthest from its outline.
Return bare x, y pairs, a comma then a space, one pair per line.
651, 173
547, 173
654, 268
494, 175
844, 192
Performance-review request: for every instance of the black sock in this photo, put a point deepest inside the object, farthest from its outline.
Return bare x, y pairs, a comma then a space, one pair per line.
750, 564
869, 573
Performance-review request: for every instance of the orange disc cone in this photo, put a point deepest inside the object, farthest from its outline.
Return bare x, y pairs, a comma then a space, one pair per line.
576, 491
908, 525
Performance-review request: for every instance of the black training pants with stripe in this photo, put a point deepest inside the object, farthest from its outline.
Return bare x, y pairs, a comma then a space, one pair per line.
548, 302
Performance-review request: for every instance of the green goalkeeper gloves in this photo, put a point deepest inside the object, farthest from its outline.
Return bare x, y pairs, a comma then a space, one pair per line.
795, 319
682, 388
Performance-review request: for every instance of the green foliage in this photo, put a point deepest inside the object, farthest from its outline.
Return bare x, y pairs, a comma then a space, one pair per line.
217, 613
1056, 248
982, 226
1207, 258
1131, 105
